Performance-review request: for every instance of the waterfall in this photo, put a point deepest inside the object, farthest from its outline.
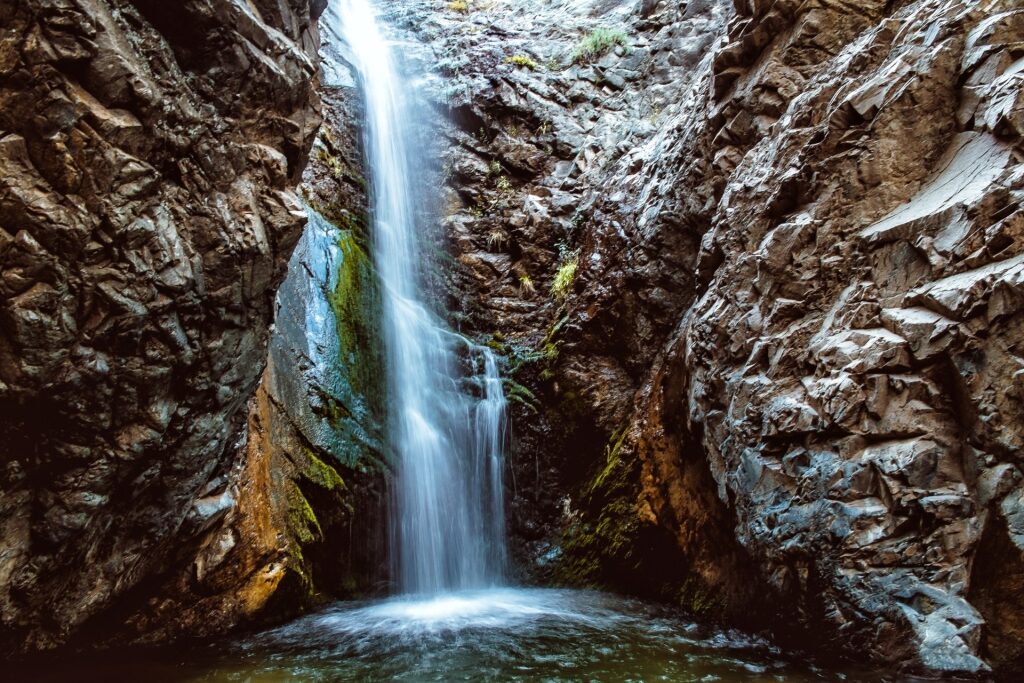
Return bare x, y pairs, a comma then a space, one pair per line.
446, 406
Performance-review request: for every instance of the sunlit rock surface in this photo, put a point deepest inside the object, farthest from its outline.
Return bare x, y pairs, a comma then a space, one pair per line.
792, 342
149, 153
300, 517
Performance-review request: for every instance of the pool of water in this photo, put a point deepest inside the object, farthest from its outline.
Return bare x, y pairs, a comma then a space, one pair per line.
492, 635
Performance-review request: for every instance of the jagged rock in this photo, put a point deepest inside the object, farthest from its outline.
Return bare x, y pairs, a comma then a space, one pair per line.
795, 233
148, 155
299, 517
757, 278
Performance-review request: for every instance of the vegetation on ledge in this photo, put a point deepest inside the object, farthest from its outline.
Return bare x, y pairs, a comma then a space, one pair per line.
598, 42
522, 61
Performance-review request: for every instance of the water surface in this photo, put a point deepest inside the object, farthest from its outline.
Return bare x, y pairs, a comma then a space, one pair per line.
500, 634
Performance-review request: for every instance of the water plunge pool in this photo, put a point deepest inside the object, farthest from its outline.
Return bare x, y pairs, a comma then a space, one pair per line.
501, 634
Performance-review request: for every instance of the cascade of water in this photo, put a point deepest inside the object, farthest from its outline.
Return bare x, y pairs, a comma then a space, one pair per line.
446, 406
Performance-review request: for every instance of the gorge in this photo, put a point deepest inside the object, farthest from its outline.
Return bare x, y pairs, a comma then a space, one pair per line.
430, 326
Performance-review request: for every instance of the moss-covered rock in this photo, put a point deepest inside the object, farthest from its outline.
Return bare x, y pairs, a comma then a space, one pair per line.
600, 542
609, 544
355, 301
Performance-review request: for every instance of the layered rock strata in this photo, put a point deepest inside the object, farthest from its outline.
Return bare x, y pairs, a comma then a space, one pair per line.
757, 268
147, 212
300, 516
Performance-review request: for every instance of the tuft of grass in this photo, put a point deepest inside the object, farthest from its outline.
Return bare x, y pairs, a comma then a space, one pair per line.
526, 287
565, 276
496, 239
459, 6
598, 42
504, 194
522, 61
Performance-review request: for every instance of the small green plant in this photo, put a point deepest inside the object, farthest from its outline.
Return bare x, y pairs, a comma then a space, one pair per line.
459, 6
504, 195
331, 162
522, 61
495, 239
565, 276
517, 393
526, 287
655, 113
598, 42
494, 168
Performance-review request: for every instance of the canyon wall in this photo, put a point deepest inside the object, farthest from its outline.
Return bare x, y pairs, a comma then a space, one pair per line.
299, 518
150, 153
756, 268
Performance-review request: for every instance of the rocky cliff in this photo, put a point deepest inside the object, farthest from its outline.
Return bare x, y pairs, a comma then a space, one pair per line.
150, 153
756, 267
299, 516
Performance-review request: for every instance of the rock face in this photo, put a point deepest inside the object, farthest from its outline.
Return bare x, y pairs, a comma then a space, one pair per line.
300, 516
848, 371
759, 278
147, 213
850, 367
757, 270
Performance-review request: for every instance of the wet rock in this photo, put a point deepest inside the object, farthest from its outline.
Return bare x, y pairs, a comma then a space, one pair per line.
300, 516
147, 213
795, 295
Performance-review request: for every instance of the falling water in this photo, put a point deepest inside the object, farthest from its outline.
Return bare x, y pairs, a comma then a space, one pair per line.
447, 410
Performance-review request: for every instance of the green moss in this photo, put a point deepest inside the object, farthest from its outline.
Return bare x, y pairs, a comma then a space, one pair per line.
598, 42
602, 542
322, 474
330, 162
565, 277
594, 552
608, 546
613, 462
522, 61
355, 301
351, 397
693, 596
302, 520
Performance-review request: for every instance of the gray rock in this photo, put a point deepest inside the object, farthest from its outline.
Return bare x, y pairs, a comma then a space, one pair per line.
147, 212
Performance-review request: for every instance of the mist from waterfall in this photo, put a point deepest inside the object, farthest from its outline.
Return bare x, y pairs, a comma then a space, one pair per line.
446, 405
